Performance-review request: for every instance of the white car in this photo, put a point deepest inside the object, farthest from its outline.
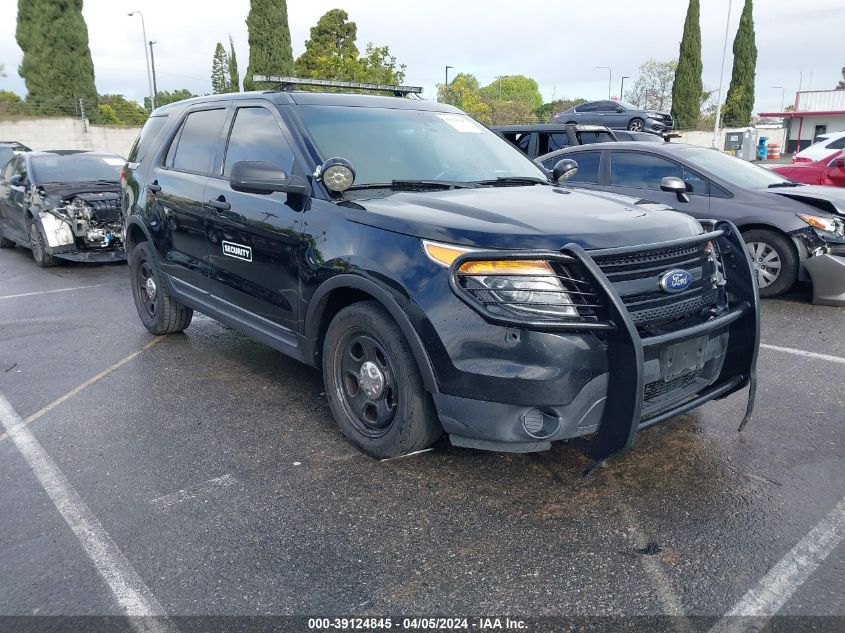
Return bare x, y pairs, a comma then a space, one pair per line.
824, 147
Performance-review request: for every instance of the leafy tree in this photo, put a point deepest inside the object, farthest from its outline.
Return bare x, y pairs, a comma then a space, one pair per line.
378, 66
220, 80
234, 76
126, 112
463, 94
330, 50
56, 66
515, 89
164, 97
107, 115
653, 88
841, 84
11, 103
687, 88
740, 100
270, 52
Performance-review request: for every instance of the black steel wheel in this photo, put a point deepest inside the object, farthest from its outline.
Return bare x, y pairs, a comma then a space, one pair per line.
159, 311
373, 384
38, 245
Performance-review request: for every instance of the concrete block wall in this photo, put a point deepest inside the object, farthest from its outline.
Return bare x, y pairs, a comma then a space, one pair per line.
705, 139
68, 133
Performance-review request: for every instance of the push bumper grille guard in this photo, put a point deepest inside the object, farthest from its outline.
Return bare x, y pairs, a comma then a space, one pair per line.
622, 417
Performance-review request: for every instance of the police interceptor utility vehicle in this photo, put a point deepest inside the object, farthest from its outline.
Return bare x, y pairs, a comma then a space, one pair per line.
440, 279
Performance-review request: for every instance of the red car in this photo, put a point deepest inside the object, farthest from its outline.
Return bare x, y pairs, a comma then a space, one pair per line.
829, 171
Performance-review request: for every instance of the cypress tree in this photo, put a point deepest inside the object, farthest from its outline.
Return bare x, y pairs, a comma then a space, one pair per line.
220, 81
269, 40
687, 87
740, 99
330, 49
56, 66
234, 77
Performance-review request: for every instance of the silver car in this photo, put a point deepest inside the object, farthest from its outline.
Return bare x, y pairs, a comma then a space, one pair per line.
617, 115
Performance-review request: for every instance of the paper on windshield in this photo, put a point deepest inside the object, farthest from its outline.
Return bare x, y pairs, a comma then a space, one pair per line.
113, 161
461, 123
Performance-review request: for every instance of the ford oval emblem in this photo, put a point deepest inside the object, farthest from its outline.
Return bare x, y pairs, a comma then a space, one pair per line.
675, 280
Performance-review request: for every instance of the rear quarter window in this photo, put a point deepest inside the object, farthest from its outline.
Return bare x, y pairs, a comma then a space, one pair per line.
145, 139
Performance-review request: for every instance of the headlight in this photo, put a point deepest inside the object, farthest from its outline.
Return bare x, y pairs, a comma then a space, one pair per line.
652, 115
527, 287
823, 223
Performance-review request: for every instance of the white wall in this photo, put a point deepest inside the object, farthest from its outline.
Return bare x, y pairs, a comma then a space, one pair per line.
705, 139
68, 133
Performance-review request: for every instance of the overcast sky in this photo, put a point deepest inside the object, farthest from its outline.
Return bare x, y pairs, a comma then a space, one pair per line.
559, 46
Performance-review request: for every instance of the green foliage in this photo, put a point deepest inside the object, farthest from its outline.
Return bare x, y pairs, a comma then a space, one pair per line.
841, 84
462, 93
330, 52
220, 80
164, 97
740, 100
514, 89
11, 103
56, 66
234, 76
121, 110
687, 87
548, 110
653, 88
270, 52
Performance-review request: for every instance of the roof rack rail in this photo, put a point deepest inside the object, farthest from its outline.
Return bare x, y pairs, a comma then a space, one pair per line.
287, 84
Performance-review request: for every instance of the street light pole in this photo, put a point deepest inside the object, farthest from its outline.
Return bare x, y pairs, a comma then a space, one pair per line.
446, 85
609, 78
622, 88
153, 66
721, 79
147, 57
782, 92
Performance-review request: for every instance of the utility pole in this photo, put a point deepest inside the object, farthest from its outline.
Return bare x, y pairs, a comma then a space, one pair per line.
147, 57
609, 78
622, 88
446, 90
153, 64
721, 80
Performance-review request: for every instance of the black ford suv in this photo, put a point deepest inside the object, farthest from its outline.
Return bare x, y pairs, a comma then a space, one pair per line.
437, 276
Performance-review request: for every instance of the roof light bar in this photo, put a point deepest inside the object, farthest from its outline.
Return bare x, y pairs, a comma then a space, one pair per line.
287, 83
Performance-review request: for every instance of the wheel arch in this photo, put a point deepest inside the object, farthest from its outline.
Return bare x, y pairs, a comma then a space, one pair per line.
343, 290
135, 234
798, 248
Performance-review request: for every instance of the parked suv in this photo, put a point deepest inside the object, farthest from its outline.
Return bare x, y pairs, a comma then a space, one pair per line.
617, 114
534, 140
437, 276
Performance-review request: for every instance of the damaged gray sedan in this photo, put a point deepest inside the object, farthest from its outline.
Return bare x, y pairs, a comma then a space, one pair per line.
63, 205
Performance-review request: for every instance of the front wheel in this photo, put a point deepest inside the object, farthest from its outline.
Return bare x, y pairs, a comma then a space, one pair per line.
373, 385
636, 125
775, 261
38, 244
159, 311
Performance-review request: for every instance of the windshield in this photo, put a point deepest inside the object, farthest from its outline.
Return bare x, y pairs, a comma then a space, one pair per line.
732, 169
385, 144
76, 168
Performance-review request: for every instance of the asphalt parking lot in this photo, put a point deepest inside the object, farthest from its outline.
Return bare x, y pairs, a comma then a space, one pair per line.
213, 466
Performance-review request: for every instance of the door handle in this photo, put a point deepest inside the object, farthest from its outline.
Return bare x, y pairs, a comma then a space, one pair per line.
220, 205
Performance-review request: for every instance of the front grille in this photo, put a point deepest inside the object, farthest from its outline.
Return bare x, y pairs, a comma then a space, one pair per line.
636, 277
659, 388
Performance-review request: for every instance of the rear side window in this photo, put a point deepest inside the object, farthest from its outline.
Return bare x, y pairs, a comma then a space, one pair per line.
587, 107
520, 139
588, 166
145, 139
257, 136
588, 138
837, 144
643, 171
557, 141
194, 147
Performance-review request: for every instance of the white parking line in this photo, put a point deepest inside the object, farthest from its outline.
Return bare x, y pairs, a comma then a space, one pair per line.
47, 292
772, 592
87, 383
801, 352
129, 590
179, 496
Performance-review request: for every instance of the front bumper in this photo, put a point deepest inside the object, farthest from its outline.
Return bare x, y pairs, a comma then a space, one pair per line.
91, 256
614, 404
828, 274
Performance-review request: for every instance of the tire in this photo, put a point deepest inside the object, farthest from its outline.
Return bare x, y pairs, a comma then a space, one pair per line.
373, 385
6, 243
159, 311
636, 125
37, 243
772, 254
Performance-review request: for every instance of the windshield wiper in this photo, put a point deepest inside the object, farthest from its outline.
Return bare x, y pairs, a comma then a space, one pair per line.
507, 181
785, 183
429, 184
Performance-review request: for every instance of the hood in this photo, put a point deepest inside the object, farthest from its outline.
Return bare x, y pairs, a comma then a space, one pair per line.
819, 197
533, 217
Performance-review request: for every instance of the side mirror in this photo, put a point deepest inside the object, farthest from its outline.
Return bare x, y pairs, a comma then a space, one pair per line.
564, 170
675, 185
264, 177
17, 180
